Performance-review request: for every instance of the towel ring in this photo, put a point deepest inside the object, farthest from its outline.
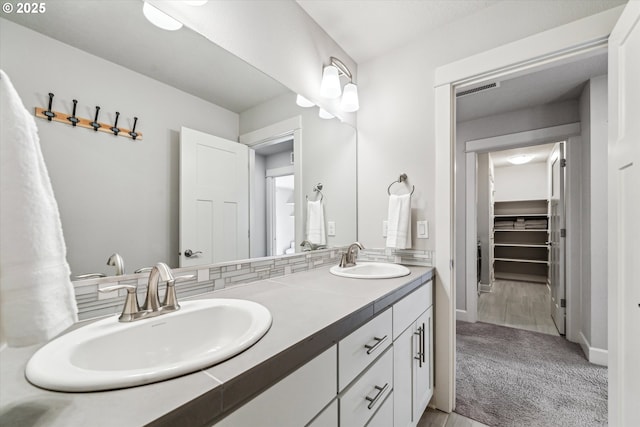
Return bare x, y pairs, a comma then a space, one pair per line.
402, 178
317, 189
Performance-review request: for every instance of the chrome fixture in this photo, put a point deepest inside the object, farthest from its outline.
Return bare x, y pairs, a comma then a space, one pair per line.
318, 189
115, 260
308, 246
330, 86
348, 258
152, 307
400, 180
90, 276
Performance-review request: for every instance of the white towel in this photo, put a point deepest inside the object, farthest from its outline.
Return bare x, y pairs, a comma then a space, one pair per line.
36, 295
399, 222
315, 223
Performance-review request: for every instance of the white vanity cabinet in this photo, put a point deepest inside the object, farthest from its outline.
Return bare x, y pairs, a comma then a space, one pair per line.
413, 356
295, 400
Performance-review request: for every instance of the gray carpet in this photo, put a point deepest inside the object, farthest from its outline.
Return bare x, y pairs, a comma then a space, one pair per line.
511, 377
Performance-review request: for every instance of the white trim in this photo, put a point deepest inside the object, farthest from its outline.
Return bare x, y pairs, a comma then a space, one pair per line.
471, 199
575, 40
523, 139
597, 356
282, 171
271, 132
463, 315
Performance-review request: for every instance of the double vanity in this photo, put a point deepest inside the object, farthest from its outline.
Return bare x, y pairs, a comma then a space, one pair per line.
339, 351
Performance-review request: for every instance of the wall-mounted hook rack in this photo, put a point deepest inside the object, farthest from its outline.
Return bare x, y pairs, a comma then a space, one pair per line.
74, 121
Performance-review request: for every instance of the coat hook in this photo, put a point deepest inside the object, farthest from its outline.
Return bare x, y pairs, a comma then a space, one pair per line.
50, 114
73, 119
94, 124
114, 128
133, 133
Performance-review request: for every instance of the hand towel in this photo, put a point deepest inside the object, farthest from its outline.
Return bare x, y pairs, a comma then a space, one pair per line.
315, 223
37, 300
399, 222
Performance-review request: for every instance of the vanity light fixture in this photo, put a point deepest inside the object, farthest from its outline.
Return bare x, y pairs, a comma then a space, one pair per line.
304, 102
159, 18
520, 159
330, 86
324, 114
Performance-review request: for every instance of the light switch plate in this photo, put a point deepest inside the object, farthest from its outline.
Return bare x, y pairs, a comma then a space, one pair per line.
423, 229
331, 228
385, 225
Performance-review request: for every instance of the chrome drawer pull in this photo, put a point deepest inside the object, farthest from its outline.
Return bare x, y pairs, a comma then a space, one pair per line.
371, 348
423, 344
420, 356
373, 400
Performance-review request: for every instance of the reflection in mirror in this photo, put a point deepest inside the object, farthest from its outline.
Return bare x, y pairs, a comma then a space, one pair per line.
121, 196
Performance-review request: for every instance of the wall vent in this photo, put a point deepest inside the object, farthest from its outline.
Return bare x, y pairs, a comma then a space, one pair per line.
478, 89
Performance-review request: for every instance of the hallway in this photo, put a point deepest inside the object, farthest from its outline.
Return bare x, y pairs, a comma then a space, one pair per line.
522, 305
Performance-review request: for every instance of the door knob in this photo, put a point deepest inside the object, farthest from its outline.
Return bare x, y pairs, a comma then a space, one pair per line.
189, 253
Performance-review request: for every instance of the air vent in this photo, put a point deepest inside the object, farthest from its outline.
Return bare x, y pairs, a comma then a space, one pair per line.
478, 89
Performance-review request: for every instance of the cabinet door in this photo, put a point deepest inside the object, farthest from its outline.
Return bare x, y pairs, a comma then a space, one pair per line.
423, 366
328, 417
384, 416
403, 348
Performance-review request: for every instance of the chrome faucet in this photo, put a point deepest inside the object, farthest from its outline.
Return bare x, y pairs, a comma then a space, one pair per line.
152, 306
308, 246
348, 258
115, 260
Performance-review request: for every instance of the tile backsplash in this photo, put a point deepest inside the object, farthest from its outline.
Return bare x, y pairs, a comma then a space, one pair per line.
208, 278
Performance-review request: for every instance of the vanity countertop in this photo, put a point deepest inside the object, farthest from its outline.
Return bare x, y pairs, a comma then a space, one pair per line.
311, 311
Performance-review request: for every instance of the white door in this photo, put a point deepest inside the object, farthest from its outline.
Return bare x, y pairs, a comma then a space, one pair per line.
214, 199
624, 214
556, 238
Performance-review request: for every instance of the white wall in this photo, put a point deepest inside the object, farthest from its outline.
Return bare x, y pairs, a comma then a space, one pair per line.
99, 179
593, 112
396, 117
521, 182
259, 208
483, 217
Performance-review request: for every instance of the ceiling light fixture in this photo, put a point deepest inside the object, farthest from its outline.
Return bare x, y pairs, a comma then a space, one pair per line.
330, 86
304, 102
520, 159
159, 18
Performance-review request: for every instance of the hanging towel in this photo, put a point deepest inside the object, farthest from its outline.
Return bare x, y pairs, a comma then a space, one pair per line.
399, 222
36, 295
315, 223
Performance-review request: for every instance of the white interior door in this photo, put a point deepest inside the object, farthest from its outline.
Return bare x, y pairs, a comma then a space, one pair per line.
214, 199
556, 238
624, 211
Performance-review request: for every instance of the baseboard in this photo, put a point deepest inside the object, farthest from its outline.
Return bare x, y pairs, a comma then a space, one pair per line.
485, 287
597, 356
464, 316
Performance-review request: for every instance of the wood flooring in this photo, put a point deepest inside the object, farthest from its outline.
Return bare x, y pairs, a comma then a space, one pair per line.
435, 418
522, 305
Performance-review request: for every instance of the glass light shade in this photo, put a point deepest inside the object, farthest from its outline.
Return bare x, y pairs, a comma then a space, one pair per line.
195, 2
303, 102
330, 85
349, 102
159, 18
520, 159
324, 114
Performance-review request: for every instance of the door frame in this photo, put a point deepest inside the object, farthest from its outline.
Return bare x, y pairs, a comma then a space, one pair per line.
567, 132
549, 48
271, 174
288, 128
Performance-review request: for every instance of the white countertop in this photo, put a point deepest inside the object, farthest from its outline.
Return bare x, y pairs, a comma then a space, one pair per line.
311, 310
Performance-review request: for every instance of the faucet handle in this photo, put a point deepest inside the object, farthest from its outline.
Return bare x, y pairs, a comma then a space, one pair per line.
170, 298
90, 276
131, 307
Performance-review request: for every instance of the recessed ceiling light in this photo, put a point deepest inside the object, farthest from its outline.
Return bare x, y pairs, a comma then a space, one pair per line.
159, 18
520, 159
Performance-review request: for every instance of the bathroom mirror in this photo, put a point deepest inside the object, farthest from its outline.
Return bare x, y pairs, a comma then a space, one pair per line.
119, 195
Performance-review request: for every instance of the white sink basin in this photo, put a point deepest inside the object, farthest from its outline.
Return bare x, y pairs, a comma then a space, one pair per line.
371, 270
109, 354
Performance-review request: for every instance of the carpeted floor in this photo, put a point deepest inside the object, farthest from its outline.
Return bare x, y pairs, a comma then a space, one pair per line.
512, 377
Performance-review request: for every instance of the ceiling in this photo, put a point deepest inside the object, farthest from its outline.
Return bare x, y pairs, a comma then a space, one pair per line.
366, 29
117, 31
561, 83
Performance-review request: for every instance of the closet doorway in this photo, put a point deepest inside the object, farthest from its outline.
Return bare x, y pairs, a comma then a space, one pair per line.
518, 211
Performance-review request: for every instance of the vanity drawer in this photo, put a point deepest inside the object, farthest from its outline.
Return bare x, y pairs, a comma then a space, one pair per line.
407, 310
357, 350
365, 396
